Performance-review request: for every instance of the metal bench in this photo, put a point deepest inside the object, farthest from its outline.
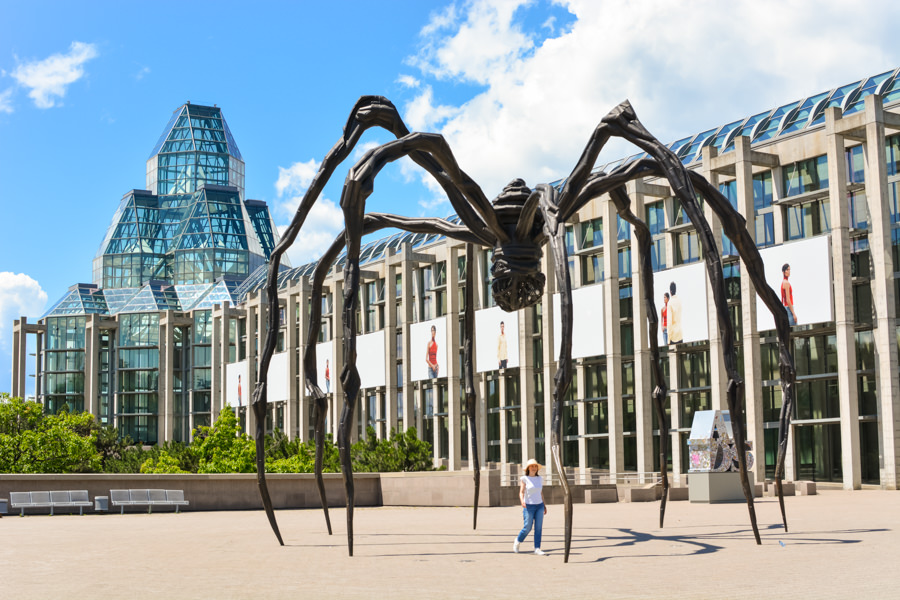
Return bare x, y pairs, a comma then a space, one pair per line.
148, 498
54, 499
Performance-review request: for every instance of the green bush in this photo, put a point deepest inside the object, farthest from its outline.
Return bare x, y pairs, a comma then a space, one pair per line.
32, 442
402, 452
222, 448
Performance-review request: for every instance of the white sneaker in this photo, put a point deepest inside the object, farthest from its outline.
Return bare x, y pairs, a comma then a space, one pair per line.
540, 552
516, 546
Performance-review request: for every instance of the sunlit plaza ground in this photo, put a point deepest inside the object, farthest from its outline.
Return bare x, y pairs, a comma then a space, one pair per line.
841, 544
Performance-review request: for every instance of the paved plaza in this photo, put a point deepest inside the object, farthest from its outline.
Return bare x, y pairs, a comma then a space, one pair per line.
841, 544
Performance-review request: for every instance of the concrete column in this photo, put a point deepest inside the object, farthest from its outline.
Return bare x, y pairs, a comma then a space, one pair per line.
526, 382
550, 358
718, 375
454, 373
844, 323
643, 385
337, 356
296, 322
218, 359
253, 321
750, 339
883, 293
166, 387
613, 339
407, 303
504, 437
91, 364
391, 302
19, 357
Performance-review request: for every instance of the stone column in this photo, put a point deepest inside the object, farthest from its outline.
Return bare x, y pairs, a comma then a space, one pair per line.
454, 374
844, 323
718, 374
613, 339
166, 388
91, 365
407, 302
296, 326
750, 339
643, 384
883, 292
526, 381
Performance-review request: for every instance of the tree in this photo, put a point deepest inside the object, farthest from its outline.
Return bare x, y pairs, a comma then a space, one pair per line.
32, 442
222, 448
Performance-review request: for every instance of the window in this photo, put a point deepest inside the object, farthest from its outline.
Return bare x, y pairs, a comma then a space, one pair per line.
805, 176
764, 223
656, 222
807, 220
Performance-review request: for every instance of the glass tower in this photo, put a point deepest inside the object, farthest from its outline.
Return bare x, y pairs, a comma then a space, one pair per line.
192, 224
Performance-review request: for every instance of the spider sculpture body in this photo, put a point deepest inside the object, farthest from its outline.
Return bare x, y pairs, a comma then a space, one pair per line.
517, 225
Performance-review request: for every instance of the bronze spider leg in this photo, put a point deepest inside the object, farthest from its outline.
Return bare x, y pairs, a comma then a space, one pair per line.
597, 185
555, 231
469, 373
373, 222
369, 111
735, 227
357, 188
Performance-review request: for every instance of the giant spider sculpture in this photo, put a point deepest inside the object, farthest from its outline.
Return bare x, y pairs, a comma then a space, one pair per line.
517, 224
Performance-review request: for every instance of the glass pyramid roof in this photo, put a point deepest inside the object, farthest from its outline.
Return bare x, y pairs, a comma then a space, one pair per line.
80, 299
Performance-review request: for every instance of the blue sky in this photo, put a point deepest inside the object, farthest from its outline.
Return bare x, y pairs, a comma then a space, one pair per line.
516, 87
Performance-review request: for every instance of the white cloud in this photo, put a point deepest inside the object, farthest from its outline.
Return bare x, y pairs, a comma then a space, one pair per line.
324, 221
685, 68
408, 81
142, 73
49, 78
6, 101
20, 295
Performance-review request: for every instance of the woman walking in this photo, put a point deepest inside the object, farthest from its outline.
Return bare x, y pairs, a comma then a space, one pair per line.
531, 495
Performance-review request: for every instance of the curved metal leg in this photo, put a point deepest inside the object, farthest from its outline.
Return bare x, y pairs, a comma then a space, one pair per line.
469, 368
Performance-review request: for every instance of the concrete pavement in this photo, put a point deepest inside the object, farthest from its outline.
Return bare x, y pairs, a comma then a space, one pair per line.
840, 544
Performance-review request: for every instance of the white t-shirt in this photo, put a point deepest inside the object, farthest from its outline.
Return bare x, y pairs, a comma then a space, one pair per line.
533, 487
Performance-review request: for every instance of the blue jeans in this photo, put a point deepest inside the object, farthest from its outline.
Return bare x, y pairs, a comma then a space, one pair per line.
534, 515
790, 315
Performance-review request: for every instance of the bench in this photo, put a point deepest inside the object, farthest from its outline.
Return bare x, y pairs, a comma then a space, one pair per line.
54, 499
148, 498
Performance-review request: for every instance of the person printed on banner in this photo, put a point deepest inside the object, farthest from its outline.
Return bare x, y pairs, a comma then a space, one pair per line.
787, 295
502, 351
431, 356
674, 317
663, 313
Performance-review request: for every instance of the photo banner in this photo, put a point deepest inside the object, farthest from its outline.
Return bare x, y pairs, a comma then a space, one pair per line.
496, 339
237, 386
686, 317
810, 281
588, 324
425, 347
324, 367
370, 361
278, 388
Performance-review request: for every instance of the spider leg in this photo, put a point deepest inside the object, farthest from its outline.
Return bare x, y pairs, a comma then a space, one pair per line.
469, 374
555, 231
624, 123
734, 225
735, 228
372, 222
465, 196
642, 232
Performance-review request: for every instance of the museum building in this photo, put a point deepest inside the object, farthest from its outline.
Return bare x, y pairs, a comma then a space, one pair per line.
169, 332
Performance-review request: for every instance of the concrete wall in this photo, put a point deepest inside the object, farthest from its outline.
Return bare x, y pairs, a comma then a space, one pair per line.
298, 490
